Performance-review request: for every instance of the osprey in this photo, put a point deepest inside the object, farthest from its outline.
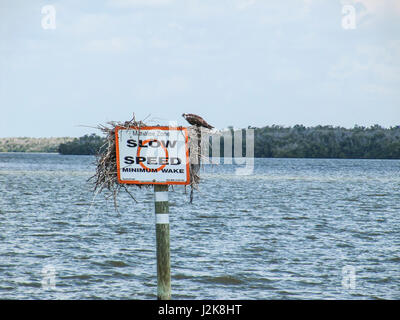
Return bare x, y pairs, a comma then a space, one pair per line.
196, 120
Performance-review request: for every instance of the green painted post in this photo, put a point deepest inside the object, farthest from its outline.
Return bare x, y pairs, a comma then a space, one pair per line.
162, 239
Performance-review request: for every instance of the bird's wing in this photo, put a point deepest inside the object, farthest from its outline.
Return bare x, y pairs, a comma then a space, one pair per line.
195, 119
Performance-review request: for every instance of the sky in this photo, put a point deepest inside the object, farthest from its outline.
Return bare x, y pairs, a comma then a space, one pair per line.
233, 62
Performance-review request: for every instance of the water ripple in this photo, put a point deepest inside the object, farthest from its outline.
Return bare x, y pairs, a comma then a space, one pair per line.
284, 232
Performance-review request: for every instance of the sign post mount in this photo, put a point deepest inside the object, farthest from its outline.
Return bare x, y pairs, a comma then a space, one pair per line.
158, 156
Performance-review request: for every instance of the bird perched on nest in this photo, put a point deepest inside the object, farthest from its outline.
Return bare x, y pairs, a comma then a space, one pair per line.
196, 120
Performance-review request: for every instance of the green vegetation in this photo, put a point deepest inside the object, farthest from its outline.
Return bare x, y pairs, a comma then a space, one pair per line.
373, 142
88, 144
31, 144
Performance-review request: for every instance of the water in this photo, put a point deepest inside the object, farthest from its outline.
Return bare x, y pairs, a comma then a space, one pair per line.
284, 232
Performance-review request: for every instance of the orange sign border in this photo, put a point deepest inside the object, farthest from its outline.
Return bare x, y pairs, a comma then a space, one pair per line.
152, 182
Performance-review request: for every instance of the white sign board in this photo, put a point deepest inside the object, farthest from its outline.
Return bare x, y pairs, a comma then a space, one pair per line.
152, 155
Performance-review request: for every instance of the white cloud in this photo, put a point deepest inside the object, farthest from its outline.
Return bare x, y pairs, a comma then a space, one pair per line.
139, 3
375, 69
243, 4
113, 44
379, 7
378, 89
162, 88
90, 23
109, 45
175, 26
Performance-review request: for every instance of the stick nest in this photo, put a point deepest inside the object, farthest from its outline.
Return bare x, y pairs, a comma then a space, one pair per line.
106, 161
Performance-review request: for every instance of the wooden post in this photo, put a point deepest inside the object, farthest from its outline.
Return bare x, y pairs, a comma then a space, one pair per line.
162, 238
195, 167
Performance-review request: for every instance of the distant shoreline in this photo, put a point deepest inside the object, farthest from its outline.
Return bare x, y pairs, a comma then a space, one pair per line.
319, 142
30, 152
26, 144
91, 155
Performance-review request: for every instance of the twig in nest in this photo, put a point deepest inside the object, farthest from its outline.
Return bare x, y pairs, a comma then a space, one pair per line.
106, 160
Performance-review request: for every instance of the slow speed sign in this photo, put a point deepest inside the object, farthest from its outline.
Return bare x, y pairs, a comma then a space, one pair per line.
152, 155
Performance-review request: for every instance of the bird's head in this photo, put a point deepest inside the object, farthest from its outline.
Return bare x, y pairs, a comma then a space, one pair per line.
183, 115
